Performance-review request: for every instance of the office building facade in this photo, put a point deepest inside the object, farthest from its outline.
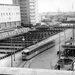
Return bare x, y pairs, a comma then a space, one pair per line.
10, 21
9, 16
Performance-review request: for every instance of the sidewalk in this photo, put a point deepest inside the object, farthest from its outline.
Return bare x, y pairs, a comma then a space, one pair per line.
65, 67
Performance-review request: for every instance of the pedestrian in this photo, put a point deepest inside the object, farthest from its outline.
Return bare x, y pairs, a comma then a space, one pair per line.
70, 38
58, 67
57, 52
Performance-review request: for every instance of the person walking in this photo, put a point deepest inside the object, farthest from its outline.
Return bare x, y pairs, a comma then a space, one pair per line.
58, 67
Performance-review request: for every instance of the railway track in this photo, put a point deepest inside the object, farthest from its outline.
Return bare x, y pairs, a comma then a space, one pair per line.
24, 64
27, 63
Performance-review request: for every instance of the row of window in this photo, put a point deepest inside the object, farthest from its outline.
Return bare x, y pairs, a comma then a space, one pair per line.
9, 8
23, 3
32, 1
32, 15
9, 14
23, 7
67, 24
23, 13
24, 16
32, 9
32, 18
32, 12
23, 10
9, 19
8, 25
22, 0
24, 19
32, 5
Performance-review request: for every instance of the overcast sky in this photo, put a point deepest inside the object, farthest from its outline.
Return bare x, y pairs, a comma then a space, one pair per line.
55, 5
5, 1
51, 5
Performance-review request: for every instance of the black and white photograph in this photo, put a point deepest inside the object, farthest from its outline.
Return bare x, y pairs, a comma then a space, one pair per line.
37, 37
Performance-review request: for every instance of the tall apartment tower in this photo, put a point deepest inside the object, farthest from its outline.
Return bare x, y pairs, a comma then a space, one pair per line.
29, 12
16, 2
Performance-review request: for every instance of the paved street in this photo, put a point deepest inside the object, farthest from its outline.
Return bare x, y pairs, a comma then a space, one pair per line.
45, 60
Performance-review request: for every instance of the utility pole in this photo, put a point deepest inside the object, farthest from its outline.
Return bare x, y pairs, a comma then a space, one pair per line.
23, 39
59, 45
14, 52
11, 54
73, 32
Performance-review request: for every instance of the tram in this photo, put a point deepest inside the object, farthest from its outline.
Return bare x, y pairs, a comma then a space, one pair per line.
34, 50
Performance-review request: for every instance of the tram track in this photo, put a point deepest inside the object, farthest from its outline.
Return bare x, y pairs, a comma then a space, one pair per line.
24, 64
31, 61
52, 66
27, 63
52, 60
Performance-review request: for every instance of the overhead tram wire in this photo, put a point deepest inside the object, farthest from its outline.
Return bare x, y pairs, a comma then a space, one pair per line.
54, 5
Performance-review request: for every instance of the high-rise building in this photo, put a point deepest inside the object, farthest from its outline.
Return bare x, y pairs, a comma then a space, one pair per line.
29, 12
16, 2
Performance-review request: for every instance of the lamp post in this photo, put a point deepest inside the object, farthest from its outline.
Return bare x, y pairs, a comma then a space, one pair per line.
14, 52
23, 41
59, 45
73, 32
64, 35
11, 54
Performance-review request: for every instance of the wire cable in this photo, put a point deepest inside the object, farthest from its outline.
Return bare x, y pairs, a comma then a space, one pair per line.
54, 5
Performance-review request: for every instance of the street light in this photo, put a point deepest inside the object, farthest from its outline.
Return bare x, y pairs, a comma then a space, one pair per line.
23, 41
64, 35
11, 54
59, 45
14, 52
73, 34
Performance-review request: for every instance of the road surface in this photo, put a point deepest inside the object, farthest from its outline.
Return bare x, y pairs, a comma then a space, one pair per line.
46, 60
43, 60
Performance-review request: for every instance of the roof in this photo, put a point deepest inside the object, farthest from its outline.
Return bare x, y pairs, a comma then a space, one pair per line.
68, 21
70, 41
72, 47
